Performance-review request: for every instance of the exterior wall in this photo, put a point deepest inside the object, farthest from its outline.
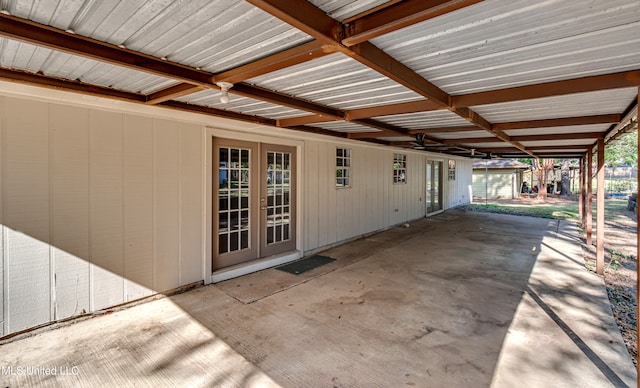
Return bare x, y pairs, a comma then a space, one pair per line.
100, 208
104, 202
503, 183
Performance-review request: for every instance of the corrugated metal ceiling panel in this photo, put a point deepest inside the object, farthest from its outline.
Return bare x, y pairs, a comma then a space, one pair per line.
461, 135
497, 44
579, 104
35, 59
343, 9
337, 81
424, 120
212, 35
250, 106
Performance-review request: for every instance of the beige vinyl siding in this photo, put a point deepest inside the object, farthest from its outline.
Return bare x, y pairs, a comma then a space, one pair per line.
99, 208
105, 202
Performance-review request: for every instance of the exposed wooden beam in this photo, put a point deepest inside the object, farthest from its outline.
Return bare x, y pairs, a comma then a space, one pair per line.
444, 130
26, 78
555, 136
550, 89
562, 122
372, 135
217, 112
305, 120
376, 59
559, 136
24, 30
555, 148
392, 109
172, 92
16, 28
398, 16
363, 113
283, 99
293, 56
305, 17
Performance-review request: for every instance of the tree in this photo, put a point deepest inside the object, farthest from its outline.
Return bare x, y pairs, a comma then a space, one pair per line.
542, 167
623, 151
565, 178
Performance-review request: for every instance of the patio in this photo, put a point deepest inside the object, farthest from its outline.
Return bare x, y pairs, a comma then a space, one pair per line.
459, 299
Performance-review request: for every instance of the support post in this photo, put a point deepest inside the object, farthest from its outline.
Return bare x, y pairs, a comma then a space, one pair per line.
600, 210
638, 242
581, 193
589, 201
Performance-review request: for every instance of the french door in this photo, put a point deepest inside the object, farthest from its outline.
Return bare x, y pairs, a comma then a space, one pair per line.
434, 184
253, 201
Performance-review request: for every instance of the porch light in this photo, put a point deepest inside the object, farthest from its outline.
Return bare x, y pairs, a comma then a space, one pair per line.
224, 91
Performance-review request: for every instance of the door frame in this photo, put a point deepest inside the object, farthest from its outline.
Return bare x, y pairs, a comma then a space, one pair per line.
441, 190
211, 276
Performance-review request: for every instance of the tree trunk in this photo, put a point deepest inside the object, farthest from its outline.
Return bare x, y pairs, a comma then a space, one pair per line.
565, 178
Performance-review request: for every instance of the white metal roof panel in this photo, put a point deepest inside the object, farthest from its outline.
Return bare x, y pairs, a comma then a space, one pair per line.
34, 59
497, 44
397, 138
461, 135
250, 106
579, 104
424, 120
213, 35
337, 81
343, 9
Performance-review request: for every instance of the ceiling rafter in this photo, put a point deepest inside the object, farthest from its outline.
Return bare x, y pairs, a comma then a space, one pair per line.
550, 89
397, 16
560, 122
23, 30
444, 130
293, 56
555, 136
313, 21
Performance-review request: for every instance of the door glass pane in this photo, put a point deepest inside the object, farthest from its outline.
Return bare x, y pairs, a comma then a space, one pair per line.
233, 200
437, 168
429, 187
278, 197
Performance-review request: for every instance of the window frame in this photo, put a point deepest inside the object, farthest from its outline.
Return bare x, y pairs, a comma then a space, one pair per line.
399, 169
343, 168
451, 170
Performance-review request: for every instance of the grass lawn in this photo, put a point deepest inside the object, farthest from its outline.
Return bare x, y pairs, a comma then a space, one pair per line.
562, 210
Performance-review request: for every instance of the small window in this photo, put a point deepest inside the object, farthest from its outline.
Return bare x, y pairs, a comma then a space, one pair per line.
399, 168
343, 167
452, 170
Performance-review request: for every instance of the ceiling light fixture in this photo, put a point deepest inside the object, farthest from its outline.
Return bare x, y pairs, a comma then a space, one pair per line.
224, 91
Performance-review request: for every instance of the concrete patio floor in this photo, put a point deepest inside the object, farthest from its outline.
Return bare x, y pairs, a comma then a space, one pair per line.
461, 299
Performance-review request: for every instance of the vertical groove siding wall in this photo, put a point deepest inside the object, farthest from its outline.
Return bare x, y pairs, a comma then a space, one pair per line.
101, 207
97, 208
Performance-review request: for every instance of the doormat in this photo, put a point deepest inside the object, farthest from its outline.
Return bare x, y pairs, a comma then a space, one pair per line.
304, 265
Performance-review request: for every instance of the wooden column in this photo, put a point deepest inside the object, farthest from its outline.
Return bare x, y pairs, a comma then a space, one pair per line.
589, 199
638, 240
581, 193
600, 210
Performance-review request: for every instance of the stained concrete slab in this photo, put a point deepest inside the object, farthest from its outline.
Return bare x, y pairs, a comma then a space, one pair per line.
460, 299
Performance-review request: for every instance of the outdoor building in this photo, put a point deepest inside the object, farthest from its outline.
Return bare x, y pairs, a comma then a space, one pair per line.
498, 178
151, 147
114, 201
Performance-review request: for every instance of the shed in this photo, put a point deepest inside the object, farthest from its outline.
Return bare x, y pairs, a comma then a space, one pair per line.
498, 178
